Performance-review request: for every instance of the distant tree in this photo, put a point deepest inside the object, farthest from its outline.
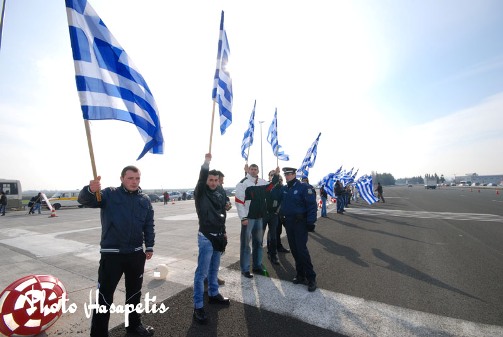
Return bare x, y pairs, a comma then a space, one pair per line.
383, 178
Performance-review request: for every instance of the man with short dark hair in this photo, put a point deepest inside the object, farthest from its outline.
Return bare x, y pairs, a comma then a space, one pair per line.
212, 238
127, 223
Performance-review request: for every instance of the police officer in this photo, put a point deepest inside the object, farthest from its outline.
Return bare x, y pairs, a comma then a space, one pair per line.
298, 206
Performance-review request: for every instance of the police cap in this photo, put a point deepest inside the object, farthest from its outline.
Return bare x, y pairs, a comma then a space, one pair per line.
287, 170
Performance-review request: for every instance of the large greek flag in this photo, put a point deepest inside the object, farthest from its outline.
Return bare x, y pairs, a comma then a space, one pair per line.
248, 136
109, 85
222, 83
309, 159
272, 138
364, 186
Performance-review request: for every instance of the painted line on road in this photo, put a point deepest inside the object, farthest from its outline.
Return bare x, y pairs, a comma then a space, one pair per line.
427, 215
338, 312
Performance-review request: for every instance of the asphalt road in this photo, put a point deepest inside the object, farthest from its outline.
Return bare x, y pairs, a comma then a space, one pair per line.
426, 262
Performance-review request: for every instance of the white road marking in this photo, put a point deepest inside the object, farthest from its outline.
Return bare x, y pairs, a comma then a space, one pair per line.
427, 215
336, 312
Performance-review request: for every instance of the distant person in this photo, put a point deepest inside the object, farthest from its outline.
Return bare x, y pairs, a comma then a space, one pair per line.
354, 193
212, 238
184, 195
3, 203
323, 197
36, 204
127, 222
339, 194
166, 197
298, 206
379, 192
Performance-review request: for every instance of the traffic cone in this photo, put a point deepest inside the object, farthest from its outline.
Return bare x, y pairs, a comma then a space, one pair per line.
53, 213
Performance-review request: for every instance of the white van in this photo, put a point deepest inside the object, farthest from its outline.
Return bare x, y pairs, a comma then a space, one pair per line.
65, 199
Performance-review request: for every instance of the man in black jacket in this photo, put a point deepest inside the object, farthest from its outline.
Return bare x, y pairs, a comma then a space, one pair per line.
127, 222
210, 200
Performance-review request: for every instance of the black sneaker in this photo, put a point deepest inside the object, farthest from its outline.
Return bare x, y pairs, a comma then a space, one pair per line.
274, 259
311, 286
219, 299
200, 316
261, 271
283, 250
247, 274
299, 280
140, 330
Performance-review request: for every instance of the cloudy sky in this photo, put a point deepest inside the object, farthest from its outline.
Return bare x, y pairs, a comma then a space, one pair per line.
394, 86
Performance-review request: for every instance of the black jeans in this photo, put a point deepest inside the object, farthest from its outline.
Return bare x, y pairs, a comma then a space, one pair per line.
112, 266
271, 220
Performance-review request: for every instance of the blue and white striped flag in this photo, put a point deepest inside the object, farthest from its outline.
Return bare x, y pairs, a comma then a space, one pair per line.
222, 83
364, 186
309, 159
248, 136
109, 85
272, 138
328, 184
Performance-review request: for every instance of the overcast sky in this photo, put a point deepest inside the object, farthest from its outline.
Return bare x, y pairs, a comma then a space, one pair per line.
401, 86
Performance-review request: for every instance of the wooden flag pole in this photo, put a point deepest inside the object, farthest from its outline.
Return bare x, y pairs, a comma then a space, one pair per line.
212, 121
91, 153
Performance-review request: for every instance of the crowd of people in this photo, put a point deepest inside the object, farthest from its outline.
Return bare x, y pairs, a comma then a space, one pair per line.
128, 236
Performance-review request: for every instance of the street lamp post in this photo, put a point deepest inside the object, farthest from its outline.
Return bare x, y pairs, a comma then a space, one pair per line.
261, 158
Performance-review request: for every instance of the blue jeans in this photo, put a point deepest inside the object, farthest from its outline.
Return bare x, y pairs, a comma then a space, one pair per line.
323, 206
36, 207
340, 203
2, 209
208, 263
251, 232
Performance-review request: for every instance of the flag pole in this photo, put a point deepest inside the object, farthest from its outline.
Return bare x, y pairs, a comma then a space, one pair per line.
91, 153
212, 121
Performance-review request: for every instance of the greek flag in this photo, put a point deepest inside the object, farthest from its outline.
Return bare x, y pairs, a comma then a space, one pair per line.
2, 12
328, 184
272, 138
248, 137
364, 186
309, 159
222, 83
109, 85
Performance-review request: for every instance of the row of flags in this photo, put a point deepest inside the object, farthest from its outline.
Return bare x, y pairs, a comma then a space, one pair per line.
272, 138
364, 184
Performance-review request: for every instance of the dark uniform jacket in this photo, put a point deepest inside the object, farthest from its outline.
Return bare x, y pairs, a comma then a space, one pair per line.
299, 200
127, 219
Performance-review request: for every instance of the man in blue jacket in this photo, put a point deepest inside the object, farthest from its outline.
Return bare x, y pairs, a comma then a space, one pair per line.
127, 222
298, 206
